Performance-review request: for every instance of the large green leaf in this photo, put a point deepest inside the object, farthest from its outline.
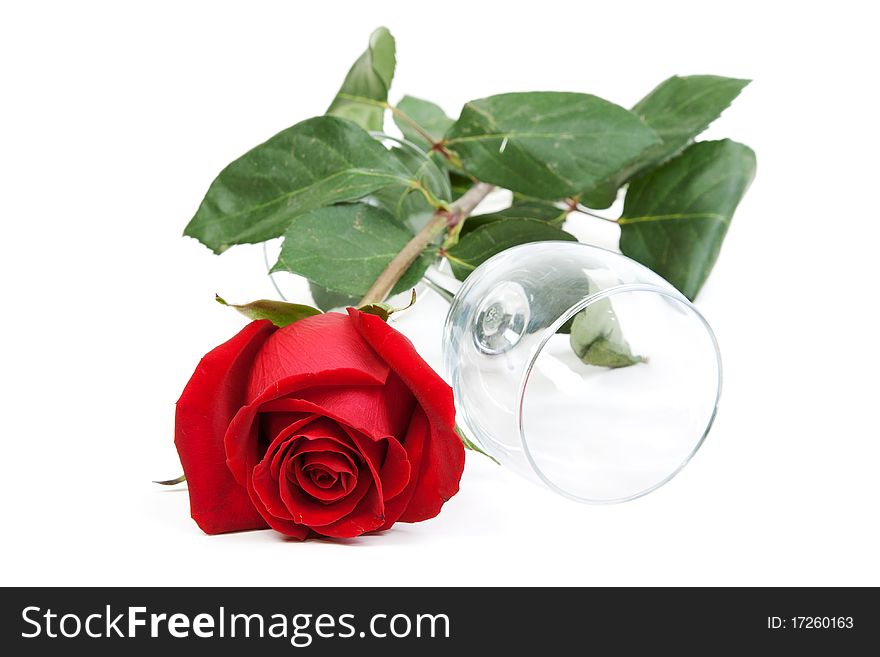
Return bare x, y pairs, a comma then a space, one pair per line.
675, 217
678, 110
428, 116
405, 202
546, 144
318, 162
478, 246
368, 80
344, 248
540, 210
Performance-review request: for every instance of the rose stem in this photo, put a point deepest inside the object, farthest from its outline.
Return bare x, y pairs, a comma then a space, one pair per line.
441, 219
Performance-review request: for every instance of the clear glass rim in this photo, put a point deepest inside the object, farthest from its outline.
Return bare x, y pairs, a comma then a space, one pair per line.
549, 332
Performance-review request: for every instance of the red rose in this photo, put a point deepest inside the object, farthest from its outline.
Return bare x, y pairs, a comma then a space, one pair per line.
332, 425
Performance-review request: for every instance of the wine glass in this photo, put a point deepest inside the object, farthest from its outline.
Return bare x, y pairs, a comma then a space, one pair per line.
606, 430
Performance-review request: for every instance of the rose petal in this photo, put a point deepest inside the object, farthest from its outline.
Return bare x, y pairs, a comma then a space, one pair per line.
378, 411
388, 460
273, 425
433, 393
283, 437
339, 481
242, 437
293, 404
322, 453
334, 462
317, 344
282, 498
346, 448
442, 461
306, 510
368, 516
372, 451
266, 474
413, 443
265, 480
395, 472
287, 527
278, 457
212, 397
354, 514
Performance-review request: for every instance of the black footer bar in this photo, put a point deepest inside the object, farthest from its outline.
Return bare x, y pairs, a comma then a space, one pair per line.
317, 621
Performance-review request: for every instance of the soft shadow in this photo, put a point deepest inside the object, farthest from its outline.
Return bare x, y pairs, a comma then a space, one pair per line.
392, 536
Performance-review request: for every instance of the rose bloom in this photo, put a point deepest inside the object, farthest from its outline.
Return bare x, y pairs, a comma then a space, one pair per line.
330, 426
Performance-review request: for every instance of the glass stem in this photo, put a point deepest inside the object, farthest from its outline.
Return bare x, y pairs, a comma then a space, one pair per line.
442, 283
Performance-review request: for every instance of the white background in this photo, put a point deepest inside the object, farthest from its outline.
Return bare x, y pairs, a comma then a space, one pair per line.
116, 117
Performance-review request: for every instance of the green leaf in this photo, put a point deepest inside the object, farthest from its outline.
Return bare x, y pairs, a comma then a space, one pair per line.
539, 210
405, 202
328, 299
318, 162
596, 337
428, 116
481, 244
678, 110
469, 444
675, 217
280, 313
364, 93
546, 144
682, 107
344, 248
